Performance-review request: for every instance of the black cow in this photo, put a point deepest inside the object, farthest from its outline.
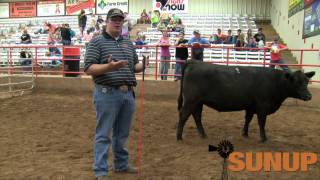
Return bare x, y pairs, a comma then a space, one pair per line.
256, 90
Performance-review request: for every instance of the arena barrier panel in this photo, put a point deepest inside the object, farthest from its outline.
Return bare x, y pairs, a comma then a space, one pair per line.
14, 79
45, 63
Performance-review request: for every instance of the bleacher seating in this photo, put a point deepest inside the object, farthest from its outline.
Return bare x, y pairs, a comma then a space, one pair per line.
206, 24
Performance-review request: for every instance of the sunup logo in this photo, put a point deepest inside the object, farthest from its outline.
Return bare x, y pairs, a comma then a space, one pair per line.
262, 161
268, 161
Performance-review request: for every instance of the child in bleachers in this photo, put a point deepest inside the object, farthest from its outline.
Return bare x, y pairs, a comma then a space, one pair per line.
164, 43
218, 38
228, 39
155, 17
171, 26
179, 26
25, 37
144, 17
240, 42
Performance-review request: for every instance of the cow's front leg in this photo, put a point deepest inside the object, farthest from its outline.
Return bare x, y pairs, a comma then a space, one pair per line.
248, 118
183, 117
197, 118
262, 117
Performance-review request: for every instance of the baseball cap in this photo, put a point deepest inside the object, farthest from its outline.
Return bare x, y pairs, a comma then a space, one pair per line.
115, 12
196, 32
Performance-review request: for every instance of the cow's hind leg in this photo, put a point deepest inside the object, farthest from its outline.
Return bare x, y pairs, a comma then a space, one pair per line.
197, 118
184, 114
248, 118
262, 122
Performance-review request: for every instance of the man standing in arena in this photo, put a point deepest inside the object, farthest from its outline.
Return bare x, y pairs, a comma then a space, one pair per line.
197, 44
112, 61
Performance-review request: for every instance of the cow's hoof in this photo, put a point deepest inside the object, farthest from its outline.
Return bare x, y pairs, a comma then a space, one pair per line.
179, 138
264, 140
245, 134
203, 136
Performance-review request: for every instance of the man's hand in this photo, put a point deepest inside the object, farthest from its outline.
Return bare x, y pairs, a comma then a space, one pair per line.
99, 69
114, 65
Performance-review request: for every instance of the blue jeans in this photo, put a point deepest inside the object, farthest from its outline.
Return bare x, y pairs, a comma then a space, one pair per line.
178, 67
281, 63
164, 67
114, 110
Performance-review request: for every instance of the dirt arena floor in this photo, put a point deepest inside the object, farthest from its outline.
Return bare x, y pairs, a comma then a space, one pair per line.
48, 135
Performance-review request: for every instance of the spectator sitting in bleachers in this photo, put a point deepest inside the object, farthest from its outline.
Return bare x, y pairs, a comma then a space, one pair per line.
174, 18
228, 39
218, 38
92, 23
249, 35
260, 36
25, 57
161, 26
144, 17
42, 30
171, 26
235, 38
240, 42
65, 34
25, 37
56, 60
155, 17
251, 43
140, 41
99, 23
198, 43
165, 55
165, 16
179, 26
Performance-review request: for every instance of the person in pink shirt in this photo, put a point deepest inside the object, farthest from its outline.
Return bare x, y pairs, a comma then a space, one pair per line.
164, 43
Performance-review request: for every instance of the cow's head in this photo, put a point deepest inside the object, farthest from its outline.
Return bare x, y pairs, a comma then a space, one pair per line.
299, 84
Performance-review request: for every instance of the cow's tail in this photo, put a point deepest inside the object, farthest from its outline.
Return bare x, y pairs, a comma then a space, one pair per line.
180, 98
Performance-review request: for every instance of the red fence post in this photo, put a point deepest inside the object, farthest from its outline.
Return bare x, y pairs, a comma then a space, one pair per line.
264, 57
156, 71
10, 61
227, 56
301, 58
36, 62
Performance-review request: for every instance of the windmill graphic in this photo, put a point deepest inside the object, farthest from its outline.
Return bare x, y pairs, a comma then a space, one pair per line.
224, 148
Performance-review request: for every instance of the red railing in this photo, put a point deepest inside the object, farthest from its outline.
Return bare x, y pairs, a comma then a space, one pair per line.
39, 69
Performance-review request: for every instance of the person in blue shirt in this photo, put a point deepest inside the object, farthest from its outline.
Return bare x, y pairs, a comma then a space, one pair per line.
198, 45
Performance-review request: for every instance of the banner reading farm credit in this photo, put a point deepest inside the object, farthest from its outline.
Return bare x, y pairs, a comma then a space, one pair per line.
103, 6
295, 6
74, 6
23, 9
4, 10
50, 8
172, 6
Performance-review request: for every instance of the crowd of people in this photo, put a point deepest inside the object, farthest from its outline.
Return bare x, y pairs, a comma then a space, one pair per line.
90, 26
